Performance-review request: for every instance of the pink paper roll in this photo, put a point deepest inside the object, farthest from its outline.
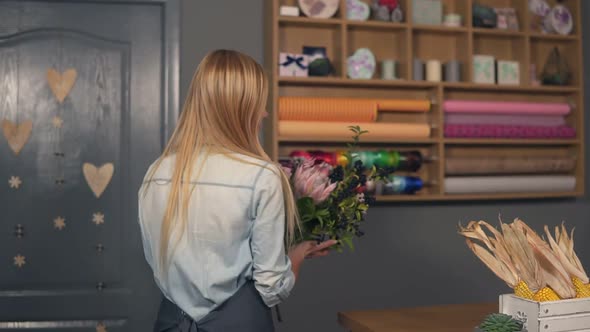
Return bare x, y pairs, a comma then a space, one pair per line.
501, 107
497, 131
505, 119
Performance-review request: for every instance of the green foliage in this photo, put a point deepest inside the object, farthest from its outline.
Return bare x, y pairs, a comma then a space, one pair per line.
340, 216
500, 323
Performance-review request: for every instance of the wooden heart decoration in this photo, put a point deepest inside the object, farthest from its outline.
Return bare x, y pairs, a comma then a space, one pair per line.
61, 84
17, 135
98, 178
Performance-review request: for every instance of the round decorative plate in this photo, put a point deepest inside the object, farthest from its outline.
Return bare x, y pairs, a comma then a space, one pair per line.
559, 20
361, 65
319, 8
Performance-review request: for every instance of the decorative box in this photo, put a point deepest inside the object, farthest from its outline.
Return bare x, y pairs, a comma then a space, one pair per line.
506, 18
508, 72
357, 10
289, 11
428, 12
483, 69
362, 64
291, 64
556, 316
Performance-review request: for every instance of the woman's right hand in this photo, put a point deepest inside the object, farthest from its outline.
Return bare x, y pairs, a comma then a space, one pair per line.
308, 249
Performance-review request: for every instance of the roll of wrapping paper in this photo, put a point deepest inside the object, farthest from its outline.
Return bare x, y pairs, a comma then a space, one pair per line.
340, 130
505, 119
327, 109
408, 161
508, 165
402, 185
402, 105
396, 185
499, 131
509, 184
331, 158
501, 107
344, 109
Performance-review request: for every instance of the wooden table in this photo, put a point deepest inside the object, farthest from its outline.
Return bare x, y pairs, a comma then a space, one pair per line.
455, 318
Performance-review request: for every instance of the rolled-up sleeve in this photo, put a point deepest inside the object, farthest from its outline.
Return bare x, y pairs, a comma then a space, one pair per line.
272, 272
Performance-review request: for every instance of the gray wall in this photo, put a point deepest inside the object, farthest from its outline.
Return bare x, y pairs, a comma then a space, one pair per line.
411, 255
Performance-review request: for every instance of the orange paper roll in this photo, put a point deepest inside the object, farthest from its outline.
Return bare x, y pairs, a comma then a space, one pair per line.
403, 105
344, 109
327, 109
338, 130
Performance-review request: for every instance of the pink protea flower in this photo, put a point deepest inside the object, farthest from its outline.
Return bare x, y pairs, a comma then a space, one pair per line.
312, 181
287, 170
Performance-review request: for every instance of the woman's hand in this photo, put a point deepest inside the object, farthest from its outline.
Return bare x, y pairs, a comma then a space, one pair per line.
308, 249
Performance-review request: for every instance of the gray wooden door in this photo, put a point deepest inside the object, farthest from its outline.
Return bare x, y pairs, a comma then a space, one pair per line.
96, 81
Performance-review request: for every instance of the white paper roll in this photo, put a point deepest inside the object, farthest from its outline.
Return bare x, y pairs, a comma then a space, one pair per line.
433, 71
509, 184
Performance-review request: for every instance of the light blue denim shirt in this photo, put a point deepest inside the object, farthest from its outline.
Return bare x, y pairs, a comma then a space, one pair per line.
235, 233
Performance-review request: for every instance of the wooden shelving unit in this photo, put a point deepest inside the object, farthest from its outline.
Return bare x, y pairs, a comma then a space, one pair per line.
406, 41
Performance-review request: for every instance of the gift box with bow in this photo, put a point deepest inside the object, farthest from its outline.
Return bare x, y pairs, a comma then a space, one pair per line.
293, 64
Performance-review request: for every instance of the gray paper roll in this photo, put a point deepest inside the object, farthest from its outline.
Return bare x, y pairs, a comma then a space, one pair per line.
453, 71
418, 71
509, 184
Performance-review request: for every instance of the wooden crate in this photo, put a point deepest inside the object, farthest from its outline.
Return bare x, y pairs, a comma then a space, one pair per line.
556, 316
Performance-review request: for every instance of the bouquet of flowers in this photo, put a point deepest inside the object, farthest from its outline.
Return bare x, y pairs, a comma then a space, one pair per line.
332, 200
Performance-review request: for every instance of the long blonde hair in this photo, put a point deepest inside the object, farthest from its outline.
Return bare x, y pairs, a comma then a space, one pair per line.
222, 113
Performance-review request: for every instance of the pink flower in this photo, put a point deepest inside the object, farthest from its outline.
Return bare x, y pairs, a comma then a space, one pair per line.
312, 181
288, 171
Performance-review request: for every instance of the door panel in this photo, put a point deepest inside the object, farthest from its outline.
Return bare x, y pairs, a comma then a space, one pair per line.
119, 111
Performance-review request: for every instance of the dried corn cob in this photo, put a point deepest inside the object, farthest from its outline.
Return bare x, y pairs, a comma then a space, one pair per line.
523, 260
553, 272
496, 257
522, 290
564, 249
582, 289
546, 294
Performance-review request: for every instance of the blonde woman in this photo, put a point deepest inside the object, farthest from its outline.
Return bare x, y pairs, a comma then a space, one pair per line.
216, 214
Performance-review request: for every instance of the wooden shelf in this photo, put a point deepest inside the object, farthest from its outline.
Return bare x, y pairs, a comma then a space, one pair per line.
498, 32
363, 141
517, 88
503, 141
410, 84
471, 197
408, 198
337, 81
507, 196
404, 42
376, 25
549, 36
301, 20
439, 28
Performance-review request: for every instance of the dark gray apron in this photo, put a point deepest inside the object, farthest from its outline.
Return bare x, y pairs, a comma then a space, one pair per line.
243, 312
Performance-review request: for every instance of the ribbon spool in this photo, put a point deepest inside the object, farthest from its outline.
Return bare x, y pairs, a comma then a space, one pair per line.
407, 161
396, 185
402, 185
